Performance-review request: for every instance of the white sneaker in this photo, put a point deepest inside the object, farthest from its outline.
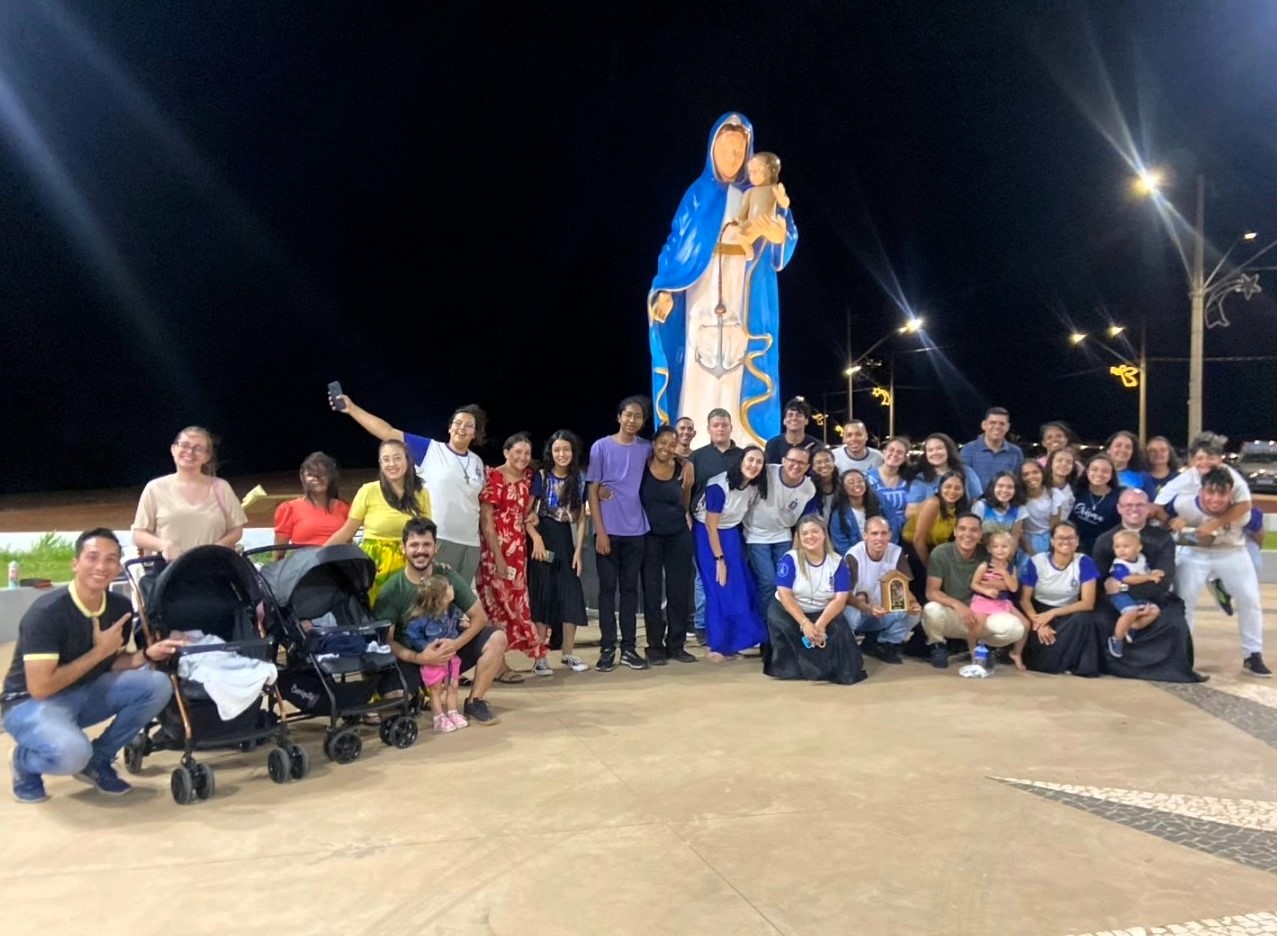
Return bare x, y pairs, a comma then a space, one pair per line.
542, 668
575, 664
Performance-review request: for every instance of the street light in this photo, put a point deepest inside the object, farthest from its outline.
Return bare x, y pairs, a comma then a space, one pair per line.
911, 326
1128, 370
1206, 293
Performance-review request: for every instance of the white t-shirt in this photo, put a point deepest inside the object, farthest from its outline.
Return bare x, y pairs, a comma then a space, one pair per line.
1190, 482
844, 461
454, 482
814, 586
1185, 506
1058, 587
771, 519
730, 505
1038, 513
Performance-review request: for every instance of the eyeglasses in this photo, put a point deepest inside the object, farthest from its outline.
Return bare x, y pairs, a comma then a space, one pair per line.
801, 463
458, 424
193, 448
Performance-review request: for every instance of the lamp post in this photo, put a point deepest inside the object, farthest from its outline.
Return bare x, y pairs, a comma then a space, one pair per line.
1124, 374
1206, 292
913, 325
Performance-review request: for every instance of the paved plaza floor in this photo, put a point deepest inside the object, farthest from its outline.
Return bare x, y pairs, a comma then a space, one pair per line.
708, 799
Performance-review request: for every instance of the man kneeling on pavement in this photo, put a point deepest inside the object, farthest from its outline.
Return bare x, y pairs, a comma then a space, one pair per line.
480, 646
947, 612
70, 670
874, 557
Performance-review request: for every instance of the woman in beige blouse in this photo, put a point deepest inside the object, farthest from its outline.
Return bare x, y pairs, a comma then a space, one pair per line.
192, 507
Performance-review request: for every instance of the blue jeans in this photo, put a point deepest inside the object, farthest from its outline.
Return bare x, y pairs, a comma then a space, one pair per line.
763, 558
892, 628
48, 732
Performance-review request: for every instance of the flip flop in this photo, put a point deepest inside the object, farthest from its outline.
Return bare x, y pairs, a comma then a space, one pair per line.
510, 678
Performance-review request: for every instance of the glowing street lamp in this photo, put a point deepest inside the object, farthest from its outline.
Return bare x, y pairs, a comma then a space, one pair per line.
1205, 292
912, 326
1115, 330
1077, 338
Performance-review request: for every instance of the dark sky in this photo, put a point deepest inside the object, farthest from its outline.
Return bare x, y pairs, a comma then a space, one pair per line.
211, 210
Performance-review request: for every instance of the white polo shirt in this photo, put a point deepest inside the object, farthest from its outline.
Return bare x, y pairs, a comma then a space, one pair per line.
454, 482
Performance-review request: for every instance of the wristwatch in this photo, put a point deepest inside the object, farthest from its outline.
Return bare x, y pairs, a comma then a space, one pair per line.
720, 558
1124, 587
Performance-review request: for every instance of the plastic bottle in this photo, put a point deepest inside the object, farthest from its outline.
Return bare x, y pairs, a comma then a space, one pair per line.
15, 572
982, 658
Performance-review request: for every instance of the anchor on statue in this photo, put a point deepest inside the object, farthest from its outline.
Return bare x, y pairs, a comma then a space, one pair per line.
720, 313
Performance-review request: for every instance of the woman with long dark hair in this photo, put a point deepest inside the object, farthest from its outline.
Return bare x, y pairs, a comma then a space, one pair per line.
732, 622
382, 507
557, 530
890, 484
1123, 447
311, 519
932, 525
502, 579
1162, 464
939, 458
1095, 496
824, 474
854, 503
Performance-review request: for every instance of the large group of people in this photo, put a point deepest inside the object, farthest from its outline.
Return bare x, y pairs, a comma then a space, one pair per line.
810, 558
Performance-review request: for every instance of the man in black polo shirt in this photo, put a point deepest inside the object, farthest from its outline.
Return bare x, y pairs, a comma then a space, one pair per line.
70, 671
708, 461
797, 416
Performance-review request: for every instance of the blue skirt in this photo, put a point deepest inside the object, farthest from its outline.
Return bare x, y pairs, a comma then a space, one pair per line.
731, 622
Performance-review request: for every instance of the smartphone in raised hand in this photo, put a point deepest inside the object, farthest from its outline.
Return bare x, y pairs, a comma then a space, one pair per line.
334, 394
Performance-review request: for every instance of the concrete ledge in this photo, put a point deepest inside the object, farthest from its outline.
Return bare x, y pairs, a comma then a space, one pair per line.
13, 604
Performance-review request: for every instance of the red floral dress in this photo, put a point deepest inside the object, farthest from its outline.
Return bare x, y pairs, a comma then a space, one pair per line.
505, 600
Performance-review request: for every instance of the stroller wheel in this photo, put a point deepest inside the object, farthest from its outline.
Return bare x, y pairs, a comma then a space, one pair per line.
205, 783
343, 746
134, 752
300, 761
384, 730
182, 785
403, 732
279, 764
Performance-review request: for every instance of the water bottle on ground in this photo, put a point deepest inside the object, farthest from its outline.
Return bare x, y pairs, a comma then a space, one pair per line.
982, 658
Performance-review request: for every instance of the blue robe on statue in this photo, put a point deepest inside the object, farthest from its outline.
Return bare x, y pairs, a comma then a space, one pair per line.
698, 363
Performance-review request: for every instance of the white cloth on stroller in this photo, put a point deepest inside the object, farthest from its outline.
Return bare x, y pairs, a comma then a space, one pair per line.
232, 681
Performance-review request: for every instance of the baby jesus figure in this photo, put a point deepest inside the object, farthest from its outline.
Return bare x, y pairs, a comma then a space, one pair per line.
762, 199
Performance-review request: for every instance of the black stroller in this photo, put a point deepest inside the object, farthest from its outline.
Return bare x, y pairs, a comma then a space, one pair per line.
330, 670
215, 590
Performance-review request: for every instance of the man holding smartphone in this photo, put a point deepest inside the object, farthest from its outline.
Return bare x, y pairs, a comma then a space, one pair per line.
452, 474
70, 670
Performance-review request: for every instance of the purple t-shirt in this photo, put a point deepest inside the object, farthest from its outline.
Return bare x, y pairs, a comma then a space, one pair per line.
621, 468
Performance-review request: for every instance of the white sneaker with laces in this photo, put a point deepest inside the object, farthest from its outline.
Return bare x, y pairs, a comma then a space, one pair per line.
542, 668
575, 664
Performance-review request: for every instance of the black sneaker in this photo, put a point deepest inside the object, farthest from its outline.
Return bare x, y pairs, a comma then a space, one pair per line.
869, 646
939, 656
104, 778
701, 639
27, 787
478, 712
631, 659
889, 653
682, 656
1254, 664
655, 657
607, 661
1224, 600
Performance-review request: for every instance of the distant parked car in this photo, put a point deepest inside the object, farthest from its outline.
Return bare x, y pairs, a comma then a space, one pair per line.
1257, 463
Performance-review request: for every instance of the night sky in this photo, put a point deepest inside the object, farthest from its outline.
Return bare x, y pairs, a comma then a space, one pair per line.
212, 210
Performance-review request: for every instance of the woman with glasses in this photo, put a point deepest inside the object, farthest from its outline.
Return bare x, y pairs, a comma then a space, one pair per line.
1057, 593
191, 507
451, 472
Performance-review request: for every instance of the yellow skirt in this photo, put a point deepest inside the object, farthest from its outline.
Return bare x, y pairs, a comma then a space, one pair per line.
388, 555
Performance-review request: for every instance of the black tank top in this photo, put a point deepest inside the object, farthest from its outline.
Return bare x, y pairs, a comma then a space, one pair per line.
663, 502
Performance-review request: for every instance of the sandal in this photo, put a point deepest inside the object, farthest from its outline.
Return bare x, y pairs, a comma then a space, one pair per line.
510, 678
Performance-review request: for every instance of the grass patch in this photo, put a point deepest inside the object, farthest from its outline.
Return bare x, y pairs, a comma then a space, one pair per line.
50, 558
1270, 539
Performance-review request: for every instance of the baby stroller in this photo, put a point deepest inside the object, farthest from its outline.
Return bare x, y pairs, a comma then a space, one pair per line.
333, 664
215, 590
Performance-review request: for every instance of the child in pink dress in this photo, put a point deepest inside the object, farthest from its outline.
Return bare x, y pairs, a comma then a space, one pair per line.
993, 585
